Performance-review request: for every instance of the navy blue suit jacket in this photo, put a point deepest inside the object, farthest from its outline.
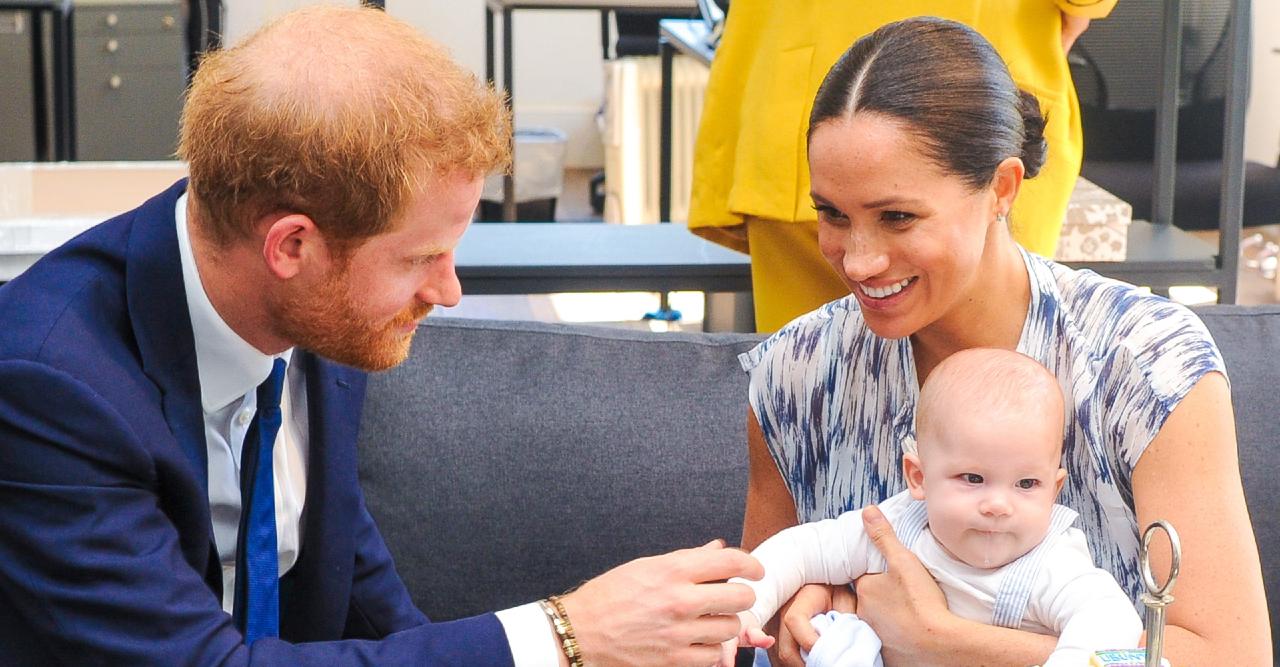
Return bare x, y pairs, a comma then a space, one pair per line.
106, 544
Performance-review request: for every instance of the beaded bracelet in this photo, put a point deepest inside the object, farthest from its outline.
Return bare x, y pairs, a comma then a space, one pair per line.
554, 609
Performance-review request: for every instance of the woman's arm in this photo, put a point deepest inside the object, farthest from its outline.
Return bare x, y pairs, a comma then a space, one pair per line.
1190, 476
769, 504
770, 509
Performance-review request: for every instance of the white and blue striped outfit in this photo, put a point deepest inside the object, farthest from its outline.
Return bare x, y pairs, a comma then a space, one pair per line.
837, 403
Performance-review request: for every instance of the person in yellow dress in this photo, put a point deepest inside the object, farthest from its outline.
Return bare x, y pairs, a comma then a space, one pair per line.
750, 175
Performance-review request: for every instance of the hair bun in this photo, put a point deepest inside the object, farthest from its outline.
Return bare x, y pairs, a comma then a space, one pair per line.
1034, 148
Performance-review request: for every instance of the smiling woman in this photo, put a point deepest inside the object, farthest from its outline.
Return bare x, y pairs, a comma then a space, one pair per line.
919, 143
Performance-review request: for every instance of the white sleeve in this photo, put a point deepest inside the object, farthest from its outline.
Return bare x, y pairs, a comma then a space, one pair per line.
1086, 607
832, 551
533, 642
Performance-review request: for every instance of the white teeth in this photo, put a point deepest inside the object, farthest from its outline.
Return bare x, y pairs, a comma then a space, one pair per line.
887, 290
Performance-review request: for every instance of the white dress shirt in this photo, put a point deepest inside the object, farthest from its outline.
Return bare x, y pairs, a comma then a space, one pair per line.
230, 371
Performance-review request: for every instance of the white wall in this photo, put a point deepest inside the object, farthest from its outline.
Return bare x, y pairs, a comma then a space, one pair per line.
1262, 120
558, 63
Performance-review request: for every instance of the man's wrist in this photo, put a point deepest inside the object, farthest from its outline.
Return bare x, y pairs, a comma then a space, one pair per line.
533, 642
570, 655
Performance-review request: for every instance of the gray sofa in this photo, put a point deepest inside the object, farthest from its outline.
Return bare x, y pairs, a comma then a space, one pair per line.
506, 461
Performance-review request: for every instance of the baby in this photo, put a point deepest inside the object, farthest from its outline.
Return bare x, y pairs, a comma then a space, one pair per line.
978, 512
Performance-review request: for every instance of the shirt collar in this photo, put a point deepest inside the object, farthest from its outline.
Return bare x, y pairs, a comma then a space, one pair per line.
229, 366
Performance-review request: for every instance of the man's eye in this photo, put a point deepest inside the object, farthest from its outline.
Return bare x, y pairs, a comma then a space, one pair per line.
1028, 483
972, 478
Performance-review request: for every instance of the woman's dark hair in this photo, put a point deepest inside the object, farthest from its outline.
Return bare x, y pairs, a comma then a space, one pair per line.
951, 89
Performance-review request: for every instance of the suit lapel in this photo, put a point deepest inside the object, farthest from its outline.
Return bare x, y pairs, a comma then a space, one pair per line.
161, 323
315, 609
315, 594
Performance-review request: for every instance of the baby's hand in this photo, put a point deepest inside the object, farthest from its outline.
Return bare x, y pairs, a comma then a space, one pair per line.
751, 635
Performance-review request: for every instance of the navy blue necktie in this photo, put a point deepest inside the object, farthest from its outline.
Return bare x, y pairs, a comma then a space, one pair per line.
257, 596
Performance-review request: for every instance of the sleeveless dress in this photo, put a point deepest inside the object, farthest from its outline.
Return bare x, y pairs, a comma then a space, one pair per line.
836, 403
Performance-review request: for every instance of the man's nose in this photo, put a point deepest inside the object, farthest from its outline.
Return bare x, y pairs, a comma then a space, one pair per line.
441, 286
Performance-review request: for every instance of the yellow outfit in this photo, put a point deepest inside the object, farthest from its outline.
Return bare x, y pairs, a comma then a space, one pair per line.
751, 176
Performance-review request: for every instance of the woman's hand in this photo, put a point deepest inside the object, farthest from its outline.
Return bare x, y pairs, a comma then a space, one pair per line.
1072, 28
795, 632
904, 604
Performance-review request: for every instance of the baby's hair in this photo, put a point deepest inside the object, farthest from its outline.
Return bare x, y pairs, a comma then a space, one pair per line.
989, 381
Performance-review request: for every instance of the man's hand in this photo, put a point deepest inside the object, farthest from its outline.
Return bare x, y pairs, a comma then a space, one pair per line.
795, 631
673, 609
904, 604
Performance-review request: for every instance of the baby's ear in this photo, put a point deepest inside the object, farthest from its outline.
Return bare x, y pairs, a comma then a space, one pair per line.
914, 475
1058, 481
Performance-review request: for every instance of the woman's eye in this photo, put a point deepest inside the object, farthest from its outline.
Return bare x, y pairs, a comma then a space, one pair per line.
1028, 483
896, 217
972, 478
828, 212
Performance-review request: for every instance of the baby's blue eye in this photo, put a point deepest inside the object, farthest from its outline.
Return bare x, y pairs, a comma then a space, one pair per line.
973, 478
1028, 483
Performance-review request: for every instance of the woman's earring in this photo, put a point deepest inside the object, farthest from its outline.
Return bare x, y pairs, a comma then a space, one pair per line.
1002, 218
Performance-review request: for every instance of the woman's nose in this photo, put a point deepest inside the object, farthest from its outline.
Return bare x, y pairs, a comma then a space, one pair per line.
864, 256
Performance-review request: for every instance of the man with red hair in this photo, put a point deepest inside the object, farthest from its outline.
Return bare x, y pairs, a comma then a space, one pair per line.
180, 387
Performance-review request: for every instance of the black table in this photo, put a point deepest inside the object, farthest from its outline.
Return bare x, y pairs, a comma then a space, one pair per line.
545, 257
540, 258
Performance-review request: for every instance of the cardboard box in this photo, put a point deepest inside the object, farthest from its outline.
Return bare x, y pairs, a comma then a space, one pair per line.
1096, 227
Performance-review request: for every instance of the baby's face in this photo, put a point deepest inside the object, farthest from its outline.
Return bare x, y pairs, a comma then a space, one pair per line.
990, 483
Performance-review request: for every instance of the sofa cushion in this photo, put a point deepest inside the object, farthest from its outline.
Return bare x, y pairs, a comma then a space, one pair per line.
507, 461
1249, 337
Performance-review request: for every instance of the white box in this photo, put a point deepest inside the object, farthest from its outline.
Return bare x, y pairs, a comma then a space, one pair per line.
1096, 227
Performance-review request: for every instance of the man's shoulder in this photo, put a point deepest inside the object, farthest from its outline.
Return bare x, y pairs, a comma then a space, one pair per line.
72, 310
70, 296
75, 295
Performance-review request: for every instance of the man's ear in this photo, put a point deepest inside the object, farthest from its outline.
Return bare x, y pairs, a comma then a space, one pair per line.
914, 474
1058, 481
290, 241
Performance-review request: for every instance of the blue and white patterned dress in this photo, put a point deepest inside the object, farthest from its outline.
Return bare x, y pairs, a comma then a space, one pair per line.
837, 403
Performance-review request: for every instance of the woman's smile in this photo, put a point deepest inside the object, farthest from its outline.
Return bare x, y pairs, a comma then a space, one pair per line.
884, 291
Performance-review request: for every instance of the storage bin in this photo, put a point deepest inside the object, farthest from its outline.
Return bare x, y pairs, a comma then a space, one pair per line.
539, 172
